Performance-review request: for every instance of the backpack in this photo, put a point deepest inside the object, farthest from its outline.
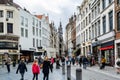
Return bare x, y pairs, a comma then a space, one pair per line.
118, 63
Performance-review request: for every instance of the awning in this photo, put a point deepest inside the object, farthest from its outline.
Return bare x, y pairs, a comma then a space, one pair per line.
107, 48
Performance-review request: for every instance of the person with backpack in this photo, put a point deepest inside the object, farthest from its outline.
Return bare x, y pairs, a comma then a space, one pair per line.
22, 68
35, 69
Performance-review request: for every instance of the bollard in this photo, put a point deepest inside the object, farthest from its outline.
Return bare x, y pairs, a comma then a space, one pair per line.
68, 72
63, 69
78, 74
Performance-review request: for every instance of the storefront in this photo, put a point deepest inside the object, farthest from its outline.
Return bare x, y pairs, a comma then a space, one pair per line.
96, 51
107, 50
27, 55
13, 56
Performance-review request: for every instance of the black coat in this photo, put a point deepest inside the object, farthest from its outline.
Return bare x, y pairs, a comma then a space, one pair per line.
46, 67
21, 68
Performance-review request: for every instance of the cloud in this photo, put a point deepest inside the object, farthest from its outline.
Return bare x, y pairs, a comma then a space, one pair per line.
57, 9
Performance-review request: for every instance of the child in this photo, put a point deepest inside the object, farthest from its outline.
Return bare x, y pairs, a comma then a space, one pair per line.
35, 69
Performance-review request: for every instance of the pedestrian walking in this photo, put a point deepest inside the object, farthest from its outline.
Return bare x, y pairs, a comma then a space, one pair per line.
22, 68
57, 64
80, 61
35, 69
46, 68
73, 60
85, 62
117, 65
51, 63
63, 60
14, 63
103, 60
8, 62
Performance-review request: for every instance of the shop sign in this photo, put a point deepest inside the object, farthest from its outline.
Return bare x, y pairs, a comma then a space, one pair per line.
106, 48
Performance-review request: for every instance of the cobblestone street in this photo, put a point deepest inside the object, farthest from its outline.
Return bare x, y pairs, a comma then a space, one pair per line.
4, 75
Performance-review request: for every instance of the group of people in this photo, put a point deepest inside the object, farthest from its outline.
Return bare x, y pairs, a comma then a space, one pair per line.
47, 65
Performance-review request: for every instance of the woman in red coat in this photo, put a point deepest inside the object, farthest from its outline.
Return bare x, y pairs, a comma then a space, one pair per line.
35, 69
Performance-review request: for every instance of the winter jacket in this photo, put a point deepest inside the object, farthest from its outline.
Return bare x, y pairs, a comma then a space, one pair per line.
46, 67
35, 68
21, 68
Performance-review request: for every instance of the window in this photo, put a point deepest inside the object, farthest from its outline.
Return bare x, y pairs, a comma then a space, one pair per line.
110, 1
40, 24
9, 28
36, 31
22, 20
33, 30
1, 13
9, 14
86, 35
92, 14
118, 21
95, 29
33, 21
36, 42
93, 33
86, 21
33, 42
103, 4
1, 28
86, 10
26, 33
118, 48
89, 33
26, 22
36, 23
104, 24
89, 18
95, 11
40, 32
99, 8
89, 7
98, 28
118, 1
40, 42
22, 31
111, 20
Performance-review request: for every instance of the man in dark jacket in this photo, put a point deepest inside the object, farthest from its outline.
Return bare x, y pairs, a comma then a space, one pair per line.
46, 67
22, 68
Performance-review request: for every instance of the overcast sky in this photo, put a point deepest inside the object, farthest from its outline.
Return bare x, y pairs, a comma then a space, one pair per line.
57, 9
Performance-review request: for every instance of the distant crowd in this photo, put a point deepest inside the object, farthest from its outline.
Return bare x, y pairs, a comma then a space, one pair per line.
46, 64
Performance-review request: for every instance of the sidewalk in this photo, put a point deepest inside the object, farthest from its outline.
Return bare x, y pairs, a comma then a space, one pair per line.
110, 71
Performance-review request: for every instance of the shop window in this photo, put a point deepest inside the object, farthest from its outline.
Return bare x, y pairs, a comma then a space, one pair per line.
118, 46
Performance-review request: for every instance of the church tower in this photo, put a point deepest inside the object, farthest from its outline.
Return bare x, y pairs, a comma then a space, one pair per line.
60, 32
